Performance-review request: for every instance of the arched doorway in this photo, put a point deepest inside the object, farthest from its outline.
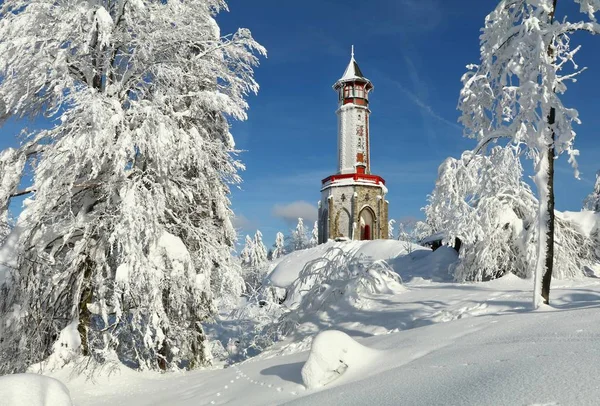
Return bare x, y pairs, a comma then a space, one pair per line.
343, 223
367, 223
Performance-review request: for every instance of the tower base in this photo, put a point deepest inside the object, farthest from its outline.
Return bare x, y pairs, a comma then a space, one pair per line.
353, 207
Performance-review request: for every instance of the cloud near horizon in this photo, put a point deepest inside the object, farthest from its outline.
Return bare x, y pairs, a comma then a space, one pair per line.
292, 211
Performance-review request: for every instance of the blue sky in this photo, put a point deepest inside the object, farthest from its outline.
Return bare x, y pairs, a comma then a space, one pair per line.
414, 52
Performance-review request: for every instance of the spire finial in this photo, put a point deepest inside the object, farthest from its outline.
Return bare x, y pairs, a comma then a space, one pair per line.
352, 51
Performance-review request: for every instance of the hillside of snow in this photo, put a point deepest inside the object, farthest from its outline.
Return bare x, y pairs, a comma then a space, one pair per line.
288, 267
433, 342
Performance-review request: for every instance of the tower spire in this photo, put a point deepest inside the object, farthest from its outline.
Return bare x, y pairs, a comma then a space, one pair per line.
352, 54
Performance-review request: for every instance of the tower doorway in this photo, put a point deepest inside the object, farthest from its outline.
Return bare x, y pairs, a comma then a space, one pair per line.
367, 223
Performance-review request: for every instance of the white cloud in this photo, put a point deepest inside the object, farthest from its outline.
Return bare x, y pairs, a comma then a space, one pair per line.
291, 211
241, 222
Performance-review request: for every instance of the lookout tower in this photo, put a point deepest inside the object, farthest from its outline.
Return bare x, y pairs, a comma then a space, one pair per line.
353, 204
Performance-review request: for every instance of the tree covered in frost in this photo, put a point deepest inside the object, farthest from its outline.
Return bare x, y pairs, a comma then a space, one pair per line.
278, 247
592, 202
412, 230
314, 235
129, 229
254, 262
391, 224
515, 93
298, 239
483, 201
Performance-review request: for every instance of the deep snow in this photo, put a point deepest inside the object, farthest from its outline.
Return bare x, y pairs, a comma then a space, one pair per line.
32, 390
437, 342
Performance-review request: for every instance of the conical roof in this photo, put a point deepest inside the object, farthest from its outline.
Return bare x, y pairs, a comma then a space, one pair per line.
352, 73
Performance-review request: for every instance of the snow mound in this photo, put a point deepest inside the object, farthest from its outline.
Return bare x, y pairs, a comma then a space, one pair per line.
33, 390
426, 265
332, 354
290, 266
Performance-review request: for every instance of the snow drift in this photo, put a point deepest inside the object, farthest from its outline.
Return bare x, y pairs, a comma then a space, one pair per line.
332, 354
289, 268
33, 390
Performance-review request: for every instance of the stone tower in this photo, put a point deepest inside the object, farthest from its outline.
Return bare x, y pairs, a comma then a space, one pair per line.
353, 204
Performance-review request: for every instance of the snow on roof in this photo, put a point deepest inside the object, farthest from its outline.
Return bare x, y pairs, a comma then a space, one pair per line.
352, 71
433, 238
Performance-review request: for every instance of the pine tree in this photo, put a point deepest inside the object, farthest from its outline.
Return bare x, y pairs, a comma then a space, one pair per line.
515, 94
254, 260
259, 255
592, 202
246, 254
299, 240
391, 229
278, 247
314, 236
129, 232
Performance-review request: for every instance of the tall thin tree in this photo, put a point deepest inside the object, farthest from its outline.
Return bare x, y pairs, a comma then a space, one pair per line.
515, 93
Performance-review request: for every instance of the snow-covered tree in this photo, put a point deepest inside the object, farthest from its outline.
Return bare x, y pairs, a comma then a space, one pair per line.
259, 256
246, 253
413, 230
299, 241
592, 202
391, 229
314, 236
482, 200
515, 93
129, 230
278, 247
254, 260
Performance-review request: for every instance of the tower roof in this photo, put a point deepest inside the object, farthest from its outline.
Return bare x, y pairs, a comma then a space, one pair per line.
352, 72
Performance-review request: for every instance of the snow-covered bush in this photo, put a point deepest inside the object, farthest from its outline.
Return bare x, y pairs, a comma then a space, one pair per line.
129, 231
337, 276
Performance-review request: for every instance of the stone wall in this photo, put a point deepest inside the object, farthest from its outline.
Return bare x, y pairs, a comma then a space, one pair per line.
340, 202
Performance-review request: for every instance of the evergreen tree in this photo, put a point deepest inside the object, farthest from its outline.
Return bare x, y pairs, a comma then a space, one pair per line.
299, 240
391, 229
128, 235
278, 247
314, 236
254, 260
592, 202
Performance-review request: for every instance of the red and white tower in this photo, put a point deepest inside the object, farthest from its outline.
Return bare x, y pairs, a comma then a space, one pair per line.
353, 201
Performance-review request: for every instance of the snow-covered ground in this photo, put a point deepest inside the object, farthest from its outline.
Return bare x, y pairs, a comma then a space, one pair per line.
434, 342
